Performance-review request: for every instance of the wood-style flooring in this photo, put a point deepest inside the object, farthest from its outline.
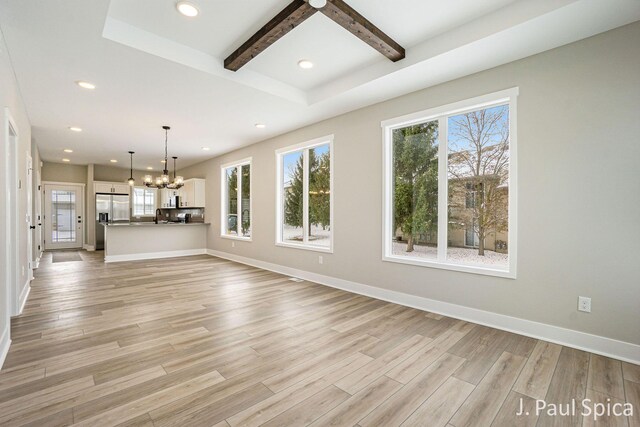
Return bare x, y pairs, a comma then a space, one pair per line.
201, 341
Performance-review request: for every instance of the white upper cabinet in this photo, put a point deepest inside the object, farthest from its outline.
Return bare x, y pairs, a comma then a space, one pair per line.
167, 198
121, 188
192, 195
111, 187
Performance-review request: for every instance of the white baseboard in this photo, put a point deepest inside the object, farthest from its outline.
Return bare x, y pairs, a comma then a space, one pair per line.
5, 343
23, 297
154, 255
621, 350
89, 248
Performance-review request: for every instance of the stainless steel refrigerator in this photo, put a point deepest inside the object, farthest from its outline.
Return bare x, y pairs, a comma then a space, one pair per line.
112, 208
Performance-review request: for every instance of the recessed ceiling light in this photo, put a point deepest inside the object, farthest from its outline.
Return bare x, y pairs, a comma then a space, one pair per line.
305, 64
66, 160
149, 168
187, 9
68, 150
205, 148
318, 4
261, 125
113, 161
85, 85
75, 129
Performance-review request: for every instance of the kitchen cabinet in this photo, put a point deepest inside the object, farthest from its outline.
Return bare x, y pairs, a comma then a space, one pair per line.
166, 197
192, 195
111, 187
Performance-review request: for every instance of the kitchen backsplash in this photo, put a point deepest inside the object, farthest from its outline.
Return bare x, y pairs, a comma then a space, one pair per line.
197, 215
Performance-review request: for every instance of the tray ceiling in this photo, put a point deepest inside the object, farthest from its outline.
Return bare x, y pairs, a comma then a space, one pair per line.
152, 66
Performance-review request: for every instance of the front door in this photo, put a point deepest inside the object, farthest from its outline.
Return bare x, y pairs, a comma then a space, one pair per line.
471, 238
63, 216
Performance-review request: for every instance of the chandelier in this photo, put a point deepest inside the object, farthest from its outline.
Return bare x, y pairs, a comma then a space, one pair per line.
163, 181
131, 181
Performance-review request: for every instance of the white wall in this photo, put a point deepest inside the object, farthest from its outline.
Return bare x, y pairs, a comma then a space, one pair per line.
10, 97
579, 203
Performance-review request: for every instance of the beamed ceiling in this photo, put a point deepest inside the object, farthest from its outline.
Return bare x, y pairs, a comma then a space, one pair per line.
153, 66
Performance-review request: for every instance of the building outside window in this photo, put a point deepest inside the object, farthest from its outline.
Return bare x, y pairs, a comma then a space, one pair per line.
144, 201
449, 186
236, 219
305, 198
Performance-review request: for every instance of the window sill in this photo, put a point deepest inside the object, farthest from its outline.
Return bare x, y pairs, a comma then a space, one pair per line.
473, 269
313, 248
243, 239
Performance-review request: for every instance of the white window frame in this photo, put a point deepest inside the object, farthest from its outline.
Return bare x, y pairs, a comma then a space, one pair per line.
280, 153
133, 201
442, 113
224, 195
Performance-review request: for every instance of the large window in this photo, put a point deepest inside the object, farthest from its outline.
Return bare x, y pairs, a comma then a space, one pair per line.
144, 201
450, 186
236, 200
305, 195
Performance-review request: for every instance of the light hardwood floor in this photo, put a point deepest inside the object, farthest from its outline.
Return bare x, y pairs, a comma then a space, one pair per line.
200, 341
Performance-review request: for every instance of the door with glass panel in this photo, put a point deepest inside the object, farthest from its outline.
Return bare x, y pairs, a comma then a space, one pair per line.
63, 216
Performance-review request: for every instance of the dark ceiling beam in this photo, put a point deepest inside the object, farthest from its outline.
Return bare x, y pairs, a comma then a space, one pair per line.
289, 18
359, 26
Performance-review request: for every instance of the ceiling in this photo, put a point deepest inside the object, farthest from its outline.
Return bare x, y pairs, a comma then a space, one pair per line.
153, 66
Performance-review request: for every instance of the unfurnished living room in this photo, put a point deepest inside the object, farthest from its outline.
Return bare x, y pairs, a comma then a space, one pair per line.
372, 213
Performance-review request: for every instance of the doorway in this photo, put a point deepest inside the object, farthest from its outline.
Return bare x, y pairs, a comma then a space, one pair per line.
32, 227
471, 238
63, 216
37, 219
12, 248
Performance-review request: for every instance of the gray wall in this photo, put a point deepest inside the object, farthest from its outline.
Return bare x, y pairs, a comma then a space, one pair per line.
117, 174
36, 202
86, 174
10, 97
64, 172
579, 204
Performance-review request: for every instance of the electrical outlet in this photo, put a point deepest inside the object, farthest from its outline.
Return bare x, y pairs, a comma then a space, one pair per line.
233, 244
584, 304
320, 260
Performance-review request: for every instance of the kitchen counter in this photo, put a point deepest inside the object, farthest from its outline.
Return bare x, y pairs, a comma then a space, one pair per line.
152, 224
147, 240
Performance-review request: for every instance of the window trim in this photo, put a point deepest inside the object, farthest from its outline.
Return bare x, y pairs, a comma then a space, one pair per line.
223, 198
504, 97
133, 202
280, 153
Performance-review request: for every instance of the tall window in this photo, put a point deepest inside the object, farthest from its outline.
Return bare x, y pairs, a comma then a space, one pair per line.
236, 200
305, 196
450, 186
144, 201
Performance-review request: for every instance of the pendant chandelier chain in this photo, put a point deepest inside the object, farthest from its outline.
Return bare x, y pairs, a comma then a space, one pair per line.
131, 181
166, 139
165, 180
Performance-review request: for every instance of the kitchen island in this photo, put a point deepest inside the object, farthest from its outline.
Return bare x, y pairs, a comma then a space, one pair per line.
148, 240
